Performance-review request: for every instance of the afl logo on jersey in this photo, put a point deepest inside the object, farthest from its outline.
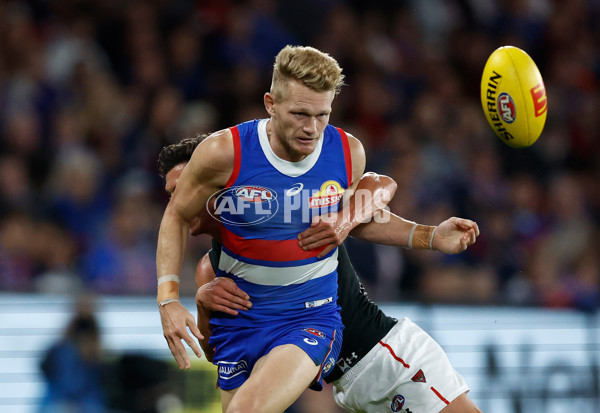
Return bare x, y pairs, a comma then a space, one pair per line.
244, 205
330, 194
253, 193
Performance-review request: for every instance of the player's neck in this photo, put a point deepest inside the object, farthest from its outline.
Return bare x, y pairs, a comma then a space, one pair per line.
280, 148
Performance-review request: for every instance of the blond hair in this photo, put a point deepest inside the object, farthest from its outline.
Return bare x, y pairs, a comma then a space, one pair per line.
315, 69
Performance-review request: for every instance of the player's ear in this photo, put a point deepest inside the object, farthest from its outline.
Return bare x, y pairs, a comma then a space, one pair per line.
269, 103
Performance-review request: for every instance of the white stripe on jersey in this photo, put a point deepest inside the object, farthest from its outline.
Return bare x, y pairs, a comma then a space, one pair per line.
259, 274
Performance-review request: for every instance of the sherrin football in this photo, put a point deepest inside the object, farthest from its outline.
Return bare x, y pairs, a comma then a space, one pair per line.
513, 97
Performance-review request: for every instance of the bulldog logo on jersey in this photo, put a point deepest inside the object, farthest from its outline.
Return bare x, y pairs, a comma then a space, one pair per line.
330, 194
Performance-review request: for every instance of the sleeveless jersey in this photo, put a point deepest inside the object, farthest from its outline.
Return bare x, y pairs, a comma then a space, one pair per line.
265, 204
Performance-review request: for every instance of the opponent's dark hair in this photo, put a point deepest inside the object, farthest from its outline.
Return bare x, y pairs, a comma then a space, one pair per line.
176, 153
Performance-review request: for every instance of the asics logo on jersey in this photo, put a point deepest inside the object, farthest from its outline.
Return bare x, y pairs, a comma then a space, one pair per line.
294, 190
311, 341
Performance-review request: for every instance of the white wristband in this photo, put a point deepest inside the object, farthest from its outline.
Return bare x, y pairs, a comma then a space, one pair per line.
169, 277
431, 239
167, 301
410, 237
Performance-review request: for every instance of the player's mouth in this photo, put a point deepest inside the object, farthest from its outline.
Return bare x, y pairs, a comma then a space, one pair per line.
305, 141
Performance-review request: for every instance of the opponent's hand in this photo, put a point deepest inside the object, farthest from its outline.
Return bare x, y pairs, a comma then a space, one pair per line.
326, 231
455, 235
175, 320
222, 294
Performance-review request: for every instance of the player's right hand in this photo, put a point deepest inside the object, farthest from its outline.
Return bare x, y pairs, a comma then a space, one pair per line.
175, 321
222, 294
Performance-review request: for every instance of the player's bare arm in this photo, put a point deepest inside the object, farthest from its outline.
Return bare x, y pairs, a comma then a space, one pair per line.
220, 293
452, 236
209, 169
334, 229
215, 294
372, 194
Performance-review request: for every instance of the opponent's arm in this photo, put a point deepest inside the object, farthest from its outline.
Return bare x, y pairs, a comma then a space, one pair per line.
210, 167
452, 236
215, 294
366, 195
372, 194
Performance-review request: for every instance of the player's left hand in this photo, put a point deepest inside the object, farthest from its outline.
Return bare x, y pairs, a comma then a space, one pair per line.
455, 235
326, 231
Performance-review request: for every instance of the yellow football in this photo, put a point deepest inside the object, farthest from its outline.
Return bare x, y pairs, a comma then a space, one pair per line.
513, 96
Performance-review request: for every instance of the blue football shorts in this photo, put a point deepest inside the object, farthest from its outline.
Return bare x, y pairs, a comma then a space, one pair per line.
237, 349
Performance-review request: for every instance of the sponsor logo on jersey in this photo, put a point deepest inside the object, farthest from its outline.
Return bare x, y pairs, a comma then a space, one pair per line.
330, 194
506, 108
230, 369
314, 332
419, 377
318, 303
397, 403
327, 366
345, 363
256, 203
310, 341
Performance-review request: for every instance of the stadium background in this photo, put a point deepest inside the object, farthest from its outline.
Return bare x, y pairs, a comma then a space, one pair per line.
91, 91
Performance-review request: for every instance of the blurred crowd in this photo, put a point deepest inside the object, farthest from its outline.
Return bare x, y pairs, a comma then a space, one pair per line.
91, 91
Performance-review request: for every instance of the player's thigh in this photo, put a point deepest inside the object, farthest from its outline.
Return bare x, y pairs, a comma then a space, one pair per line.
461, 404
276, 381
226, 396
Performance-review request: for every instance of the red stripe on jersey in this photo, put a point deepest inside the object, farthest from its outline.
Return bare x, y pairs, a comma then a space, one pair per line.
440, 396
347, 154
237, 156
266, 250
394, 354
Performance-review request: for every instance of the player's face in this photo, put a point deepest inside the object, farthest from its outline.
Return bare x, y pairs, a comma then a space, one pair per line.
297, 120
172, 177
170, 185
